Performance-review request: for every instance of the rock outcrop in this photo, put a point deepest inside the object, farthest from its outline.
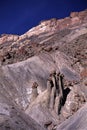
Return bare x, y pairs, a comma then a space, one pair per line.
15, 48
56, 44
77, 122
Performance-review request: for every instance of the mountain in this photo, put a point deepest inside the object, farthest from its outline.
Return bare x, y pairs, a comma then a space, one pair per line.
56, 44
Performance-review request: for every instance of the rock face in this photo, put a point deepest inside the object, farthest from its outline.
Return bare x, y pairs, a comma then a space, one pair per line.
77, 121
59, 45
47, 36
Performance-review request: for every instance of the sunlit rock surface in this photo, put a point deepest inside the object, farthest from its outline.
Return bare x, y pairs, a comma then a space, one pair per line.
53, 44
77, 122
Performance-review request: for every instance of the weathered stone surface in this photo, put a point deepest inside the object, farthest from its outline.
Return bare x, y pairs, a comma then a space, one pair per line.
29, 44
74, 14
53, 44
77, 122
84, 73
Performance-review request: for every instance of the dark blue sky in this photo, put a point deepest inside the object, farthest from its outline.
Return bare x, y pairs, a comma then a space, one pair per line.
18, 16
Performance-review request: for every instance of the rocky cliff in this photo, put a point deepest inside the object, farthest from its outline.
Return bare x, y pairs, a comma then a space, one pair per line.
59, 44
